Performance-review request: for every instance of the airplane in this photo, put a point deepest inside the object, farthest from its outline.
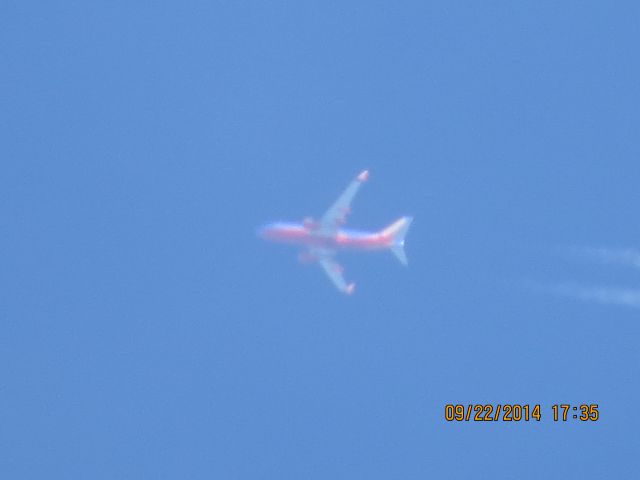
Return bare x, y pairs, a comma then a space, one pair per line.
322, 239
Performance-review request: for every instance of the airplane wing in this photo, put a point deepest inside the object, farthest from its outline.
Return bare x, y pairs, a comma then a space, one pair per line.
337, 213
334, 271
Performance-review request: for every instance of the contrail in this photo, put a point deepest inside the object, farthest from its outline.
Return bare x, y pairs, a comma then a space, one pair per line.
629, 297
602, 294
612, 256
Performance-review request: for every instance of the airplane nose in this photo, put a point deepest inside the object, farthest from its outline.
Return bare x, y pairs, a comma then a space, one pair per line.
263, 231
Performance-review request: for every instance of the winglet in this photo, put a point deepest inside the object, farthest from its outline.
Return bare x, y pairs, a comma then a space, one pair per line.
350, 288
364, 176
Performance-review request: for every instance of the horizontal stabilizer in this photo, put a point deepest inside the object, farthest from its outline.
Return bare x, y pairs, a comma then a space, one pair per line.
398, 251
398, 231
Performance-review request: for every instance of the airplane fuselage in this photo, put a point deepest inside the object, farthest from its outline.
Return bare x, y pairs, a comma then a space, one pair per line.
321, 240
342, 239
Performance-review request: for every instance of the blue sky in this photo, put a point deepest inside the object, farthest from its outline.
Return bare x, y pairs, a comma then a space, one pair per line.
146, 332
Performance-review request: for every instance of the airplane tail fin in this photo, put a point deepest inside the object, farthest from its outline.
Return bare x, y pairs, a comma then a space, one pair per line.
397, 231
